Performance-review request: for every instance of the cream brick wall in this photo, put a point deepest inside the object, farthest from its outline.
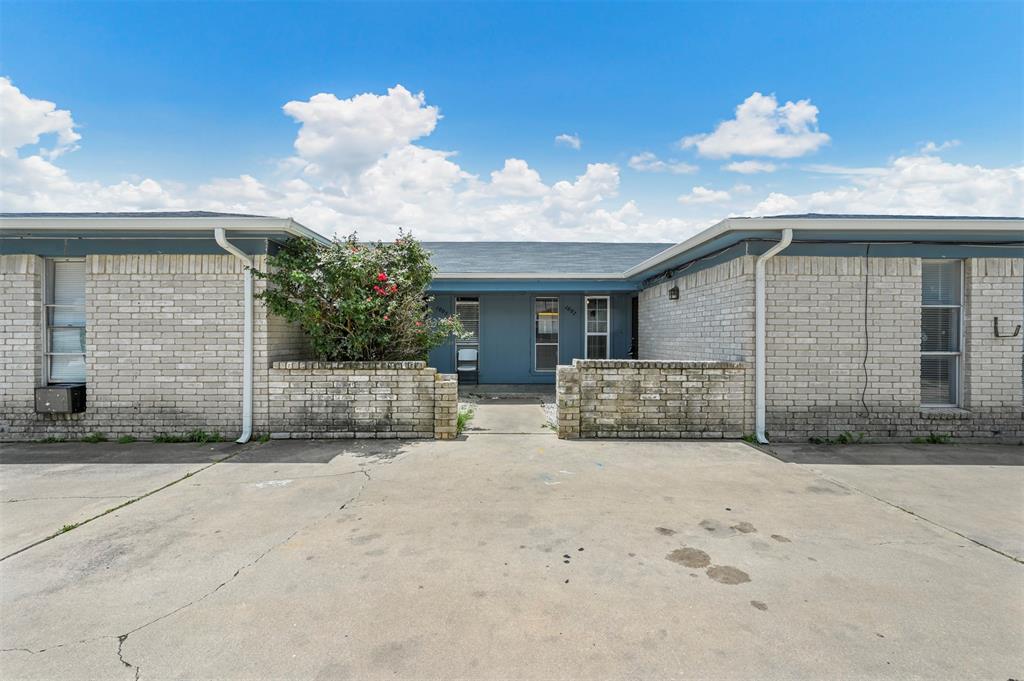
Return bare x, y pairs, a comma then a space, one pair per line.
711, 320
20, 338
994, 287
819, 384
163, 343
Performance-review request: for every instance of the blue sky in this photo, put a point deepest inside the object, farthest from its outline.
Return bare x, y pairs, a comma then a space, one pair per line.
184, 95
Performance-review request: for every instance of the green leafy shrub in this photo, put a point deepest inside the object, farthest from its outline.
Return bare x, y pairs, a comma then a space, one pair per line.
357, 301
125, 440
95, 437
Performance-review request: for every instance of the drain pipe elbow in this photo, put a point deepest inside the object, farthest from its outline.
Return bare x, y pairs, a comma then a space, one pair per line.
221, 237
760, 325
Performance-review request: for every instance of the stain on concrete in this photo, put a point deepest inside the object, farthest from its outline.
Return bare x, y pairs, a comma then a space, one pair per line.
665, 531
689, 557
820, 489
364, 539
726, 574
782, 539
744, 527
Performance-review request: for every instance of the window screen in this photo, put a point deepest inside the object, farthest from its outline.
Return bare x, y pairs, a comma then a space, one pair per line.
65, 321
941, 311
545, 333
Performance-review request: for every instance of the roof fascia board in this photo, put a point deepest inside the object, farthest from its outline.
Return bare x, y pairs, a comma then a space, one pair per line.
109, 224
528, 275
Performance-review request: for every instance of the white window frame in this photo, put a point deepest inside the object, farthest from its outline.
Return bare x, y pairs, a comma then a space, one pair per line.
607, 333
959, 354
48, 274
533, 323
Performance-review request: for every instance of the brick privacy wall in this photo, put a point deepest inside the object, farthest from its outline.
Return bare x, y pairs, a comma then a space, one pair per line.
652, 399
361, 400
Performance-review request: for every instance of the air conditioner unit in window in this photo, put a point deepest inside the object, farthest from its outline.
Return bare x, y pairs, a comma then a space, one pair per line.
61, 399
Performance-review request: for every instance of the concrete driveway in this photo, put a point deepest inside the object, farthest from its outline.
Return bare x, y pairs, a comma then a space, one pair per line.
501, 556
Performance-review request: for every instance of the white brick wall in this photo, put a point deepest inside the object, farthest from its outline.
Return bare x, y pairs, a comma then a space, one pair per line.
20, 338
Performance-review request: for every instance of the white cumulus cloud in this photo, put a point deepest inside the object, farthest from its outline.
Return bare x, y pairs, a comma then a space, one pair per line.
26, 120
566, 140
647, 162
704, 195
349, 135
922, 184
763, 128
751, 167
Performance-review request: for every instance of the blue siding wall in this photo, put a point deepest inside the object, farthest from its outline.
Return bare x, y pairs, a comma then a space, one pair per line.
506, 335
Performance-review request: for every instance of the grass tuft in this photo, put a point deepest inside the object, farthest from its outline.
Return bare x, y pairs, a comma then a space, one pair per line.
95, 437
126, 440
934, 439
844, 438
464, 417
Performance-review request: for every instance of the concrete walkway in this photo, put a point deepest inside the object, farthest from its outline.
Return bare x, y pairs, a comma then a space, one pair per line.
509, 416
495, 557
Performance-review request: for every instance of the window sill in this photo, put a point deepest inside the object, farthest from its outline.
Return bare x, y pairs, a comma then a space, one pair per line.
944, 413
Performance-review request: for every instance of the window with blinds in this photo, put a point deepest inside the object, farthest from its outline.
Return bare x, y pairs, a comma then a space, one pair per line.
941, 313
545, 334
65, 320
468, 312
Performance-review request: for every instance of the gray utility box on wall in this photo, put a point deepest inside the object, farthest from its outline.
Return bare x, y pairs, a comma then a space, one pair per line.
60, 399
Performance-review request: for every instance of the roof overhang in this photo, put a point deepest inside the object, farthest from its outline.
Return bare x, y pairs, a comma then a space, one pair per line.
733, 230
85, 226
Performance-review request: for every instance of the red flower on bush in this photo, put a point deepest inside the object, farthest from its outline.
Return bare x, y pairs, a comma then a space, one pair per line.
386, 317
381, 276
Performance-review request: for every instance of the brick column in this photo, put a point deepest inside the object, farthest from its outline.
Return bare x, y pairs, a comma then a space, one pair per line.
446, 406
567, 388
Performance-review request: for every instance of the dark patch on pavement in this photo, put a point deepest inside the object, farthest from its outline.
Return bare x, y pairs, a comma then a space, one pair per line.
818, 489
665, 531
726, 574
782, 539
689, 557
744, 527
759, 605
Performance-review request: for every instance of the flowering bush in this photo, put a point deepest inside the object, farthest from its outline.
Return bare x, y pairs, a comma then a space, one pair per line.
357, 301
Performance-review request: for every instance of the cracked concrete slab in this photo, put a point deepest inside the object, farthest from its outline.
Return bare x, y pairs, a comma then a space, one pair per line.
511, 556
47, 486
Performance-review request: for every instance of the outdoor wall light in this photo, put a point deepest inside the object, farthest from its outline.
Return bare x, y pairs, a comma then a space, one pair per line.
673, 293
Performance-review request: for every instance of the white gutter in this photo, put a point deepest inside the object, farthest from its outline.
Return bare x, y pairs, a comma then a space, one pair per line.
222, 241
760, 324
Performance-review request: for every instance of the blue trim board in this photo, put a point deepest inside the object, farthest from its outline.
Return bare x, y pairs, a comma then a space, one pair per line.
475, 286
804, 244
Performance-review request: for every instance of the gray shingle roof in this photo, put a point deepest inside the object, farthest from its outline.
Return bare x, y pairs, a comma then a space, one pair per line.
857, 216
539, 256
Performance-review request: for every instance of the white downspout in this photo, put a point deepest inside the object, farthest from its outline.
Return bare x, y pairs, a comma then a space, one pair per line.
222, 241
760, 325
